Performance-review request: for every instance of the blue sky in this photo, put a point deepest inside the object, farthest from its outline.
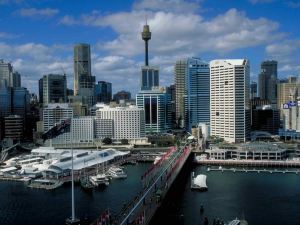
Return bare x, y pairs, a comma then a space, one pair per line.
37, 36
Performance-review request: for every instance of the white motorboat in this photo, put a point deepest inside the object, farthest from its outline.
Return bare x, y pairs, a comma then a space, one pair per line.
157, 159
116, 172
199, 182
238, 222
99, 179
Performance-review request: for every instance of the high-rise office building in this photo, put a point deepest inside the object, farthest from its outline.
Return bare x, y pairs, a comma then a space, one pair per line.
171, 90
149, 77
103, 92
267, 81
13, 101
14, 127
8, 77
157, 107
20, 101
180, 74
6, 74
82, 64
253, 90
229, 101
265, 119
53, 88
286, 90
122, 95
192, 92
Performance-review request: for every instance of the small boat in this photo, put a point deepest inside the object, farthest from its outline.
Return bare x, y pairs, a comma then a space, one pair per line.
198, 182
237, 222
45, 184
99, 180
156, 160
116, 172
86, 183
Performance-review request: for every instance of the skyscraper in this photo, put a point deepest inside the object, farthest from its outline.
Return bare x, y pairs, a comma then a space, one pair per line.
103, 92
229, 101
192, 92
253, 90
82, 64
122, 95
149, 77
286, 90
6, 74
54, 88
8, 78
84, 82
157, 107
267, 81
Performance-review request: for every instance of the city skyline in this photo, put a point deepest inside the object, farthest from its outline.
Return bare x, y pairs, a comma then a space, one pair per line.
180, 29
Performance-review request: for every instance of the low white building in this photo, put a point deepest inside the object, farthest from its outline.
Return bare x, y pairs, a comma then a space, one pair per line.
128, 122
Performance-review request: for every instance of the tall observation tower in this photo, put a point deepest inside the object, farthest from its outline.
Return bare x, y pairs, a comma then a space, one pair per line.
146, 36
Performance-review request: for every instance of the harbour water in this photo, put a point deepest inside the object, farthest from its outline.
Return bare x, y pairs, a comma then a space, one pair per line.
262, 199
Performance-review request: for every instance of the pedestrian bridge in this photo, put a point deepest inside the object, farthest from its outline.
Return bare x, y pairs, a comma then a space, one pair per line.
157, 181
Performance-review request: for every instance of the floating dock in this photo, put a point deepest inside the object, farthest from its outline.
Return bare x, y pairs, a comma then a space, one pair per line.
251, 163
246, 170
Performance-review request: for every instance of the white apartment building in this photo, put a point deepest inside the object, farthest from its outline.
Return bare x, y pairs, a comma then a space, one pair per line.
128, 122
82, 129
229, 99
104, 128
54, 114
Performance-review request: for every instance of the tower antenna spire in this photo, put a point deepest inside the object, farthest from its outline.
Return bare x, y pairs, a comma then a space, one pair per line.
146, 36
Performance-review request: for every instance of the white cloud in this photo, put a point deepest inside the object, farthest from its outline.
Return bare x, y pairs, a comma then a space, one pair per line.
175, 34
261, 1
287, 53
293, 4
4, 2
33, 60
5, 35
33, 12
68, 20
181, 33
177, 6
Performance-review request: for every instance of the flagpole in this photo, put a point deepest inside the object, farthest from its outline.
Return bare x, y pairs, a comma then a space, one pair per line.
73, 202
73, 219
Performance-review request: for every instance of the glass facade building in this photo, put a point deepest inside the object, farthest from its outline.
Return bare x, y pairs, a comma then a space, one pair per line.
192, 92
157, 107
149, 77
103, 92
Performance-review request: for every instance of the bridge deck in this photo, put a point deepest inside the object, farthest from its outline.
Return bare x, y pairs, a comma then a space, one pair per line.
157, 181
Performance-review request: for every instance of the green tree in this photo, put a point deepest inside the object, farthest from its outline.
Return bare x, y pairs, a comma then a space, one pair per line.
107, 141
124, 142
